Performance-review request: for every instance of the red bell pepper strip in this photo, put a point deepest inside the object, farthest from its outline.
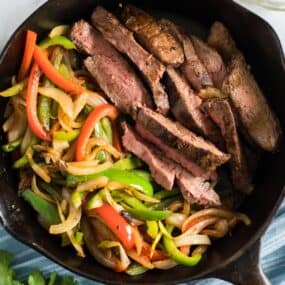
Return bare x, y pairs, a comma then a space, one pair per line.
53, 75
31, 39
104, 110
117, 224
31, 101
157, 254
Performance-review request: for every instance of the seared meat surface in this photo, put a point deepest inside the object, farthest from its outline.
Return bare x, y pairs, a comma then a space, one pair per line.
220, 39
123, 40
192, 68
175, 155
211, 60
161, 170
185, 106
221, 113
111, 71
200, 103
187, 143
257, 118
195, 190
152, 36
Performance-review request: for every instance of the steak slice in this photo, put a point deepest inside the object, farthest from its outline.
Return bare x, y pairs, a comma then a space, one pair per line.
211, 60
220, 39
112, 72
193, 69
173, 154
161, 170
185, 142
164, 171
221, 113
197, 190
257, 118
185, 106
152, 36
123, 40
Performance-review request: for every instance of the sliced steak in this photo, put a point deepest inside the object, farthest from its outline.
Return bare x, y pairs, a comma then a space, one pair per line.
257, 118
220, 39
161, 170
193, 69
197, 190
185, 142
185, 106
123, 40
211, 60
173, 154
221, 113
152, 36
164, 171
112, 72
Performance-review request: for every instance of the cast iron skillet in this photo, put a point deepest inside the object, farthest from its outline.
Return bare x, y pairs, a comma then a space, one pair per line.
233, 258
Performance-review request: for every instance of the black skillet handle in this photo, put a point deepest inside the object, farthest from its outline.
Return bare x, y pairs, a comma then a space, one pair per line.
246, 270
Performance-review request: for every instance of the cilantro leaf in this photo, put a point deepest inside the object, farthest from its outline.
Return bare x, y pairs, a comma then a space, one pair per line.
7, 274
67, 280
36, 278
52, 279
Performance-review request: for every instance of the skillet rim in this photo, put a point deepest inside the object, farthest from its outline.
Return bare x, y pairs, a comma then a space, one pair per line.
206, 273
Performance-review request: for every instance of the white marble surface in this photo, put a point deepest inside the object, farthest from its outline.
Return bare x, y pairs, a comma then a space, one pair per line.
14, 12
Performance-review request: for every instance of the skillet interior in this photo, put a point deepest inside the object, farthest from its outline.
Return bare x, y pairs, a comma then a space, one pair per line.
263, 52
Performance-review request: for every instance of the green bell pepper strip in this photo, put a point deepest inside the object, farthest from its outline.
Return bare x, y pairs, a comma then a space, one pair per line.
152, 229
164, 203
87, 109
141, 212
107, 127
95, 201
14, 90
79, 237
99, 131
127, 163
163, 194
52, 190
101, 156
21, 162
54, 110
44, 107
66, 136
64, 70
131, 201
57, 41
45, 103
143, 173
122, 176
135, 269
44, 208
11, 145
174, 253
77, 198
